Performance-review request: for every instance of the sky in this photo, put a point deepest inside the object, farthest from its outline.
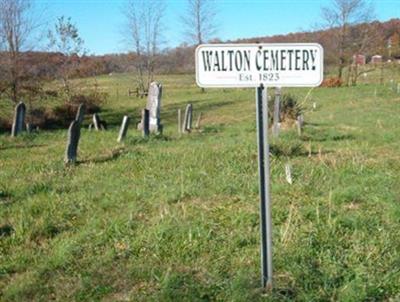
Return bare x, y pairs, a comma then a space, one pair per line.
101, 22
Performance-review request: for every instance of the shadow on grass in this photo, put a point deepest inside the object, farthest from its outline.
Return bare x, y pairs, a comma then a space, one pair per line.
115, 154
324, 135
22, 146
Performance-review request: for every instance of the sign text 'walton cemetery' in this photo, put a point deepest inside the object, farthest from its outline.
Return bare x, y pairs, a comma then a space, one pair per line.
250, 65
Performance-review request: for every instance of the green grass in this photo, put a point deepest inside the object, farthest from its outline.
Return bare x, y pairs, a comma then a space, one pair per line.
176, 218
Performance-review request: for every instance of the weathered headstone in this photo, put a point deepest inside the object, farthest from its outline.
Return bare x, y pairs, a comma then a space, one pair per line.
187, 119
301, 120
288, 173
80, 114
299, 125
275, 127
198, 121
19, 119
314, 106
30, 128
124, 128
98, 124
154, 107
145, 122
74, 133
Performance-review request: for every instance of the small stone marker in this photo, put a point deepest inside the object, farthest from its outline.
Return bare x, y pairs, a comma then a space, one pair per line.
198, 121
298, 125
187, 120
314, 106
30, 127
19, 119
275, 128
288, 173
301, 120
154, 107
80, 115
74, 133
124, 128
145, 122
96, 122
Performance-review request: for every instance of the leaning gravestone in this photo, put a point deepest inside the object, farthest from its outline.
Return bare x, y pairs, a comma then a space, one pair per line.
124, 128
154, 107
74, 133
80, 115
187, 120
198, 121
19, 119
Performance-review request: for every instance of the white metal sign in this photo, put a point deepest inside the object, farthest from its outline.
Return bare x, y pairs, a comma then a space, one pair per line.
253, 65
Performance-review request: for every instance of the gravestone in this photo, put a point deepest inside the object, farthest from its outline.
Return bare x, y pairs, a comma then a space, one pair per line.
314, 105
299, 124
154, 107
198, 121
145, 123
74, 133
124, 128
187, 119
275, 128
31, 128
19, 119
288, 173
80, 115
96, 122
301, 120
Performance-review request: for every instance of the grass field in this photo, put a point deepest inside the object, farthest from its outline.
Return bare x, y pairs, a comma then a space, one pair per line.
176, 218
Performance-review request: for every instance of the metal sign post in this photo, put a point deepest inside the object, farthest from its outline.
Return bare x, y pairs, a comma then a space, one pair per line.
265, 202
261, 66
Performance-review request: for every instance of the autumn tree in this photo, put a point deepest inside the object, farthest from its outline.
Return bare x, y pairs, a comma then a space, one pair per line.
349, 21
144, 32
16, 28
65, 39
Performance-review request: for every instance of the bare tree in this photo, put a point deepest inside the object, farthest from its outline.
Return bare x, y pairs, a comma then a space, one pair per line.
199, 21
144, 33
16, 27
342, 17
65, 39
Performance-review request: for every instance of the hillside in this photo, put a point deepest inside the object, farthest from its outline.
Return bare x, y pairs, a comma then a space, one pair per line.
177, 216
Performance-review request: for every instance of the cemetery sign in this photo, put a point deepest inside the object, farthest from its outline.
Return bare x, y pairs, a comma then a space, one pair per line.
250, 65
260, 66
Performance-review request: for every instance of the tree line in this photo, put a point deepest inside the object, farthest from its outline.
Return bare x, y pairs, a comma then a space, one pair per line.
347, 29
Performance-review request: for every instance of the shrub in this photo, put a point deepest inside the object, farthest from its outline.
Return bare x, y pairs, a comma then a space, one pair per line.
62, 115
93, 101
332, 82
290, 108
5, 125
